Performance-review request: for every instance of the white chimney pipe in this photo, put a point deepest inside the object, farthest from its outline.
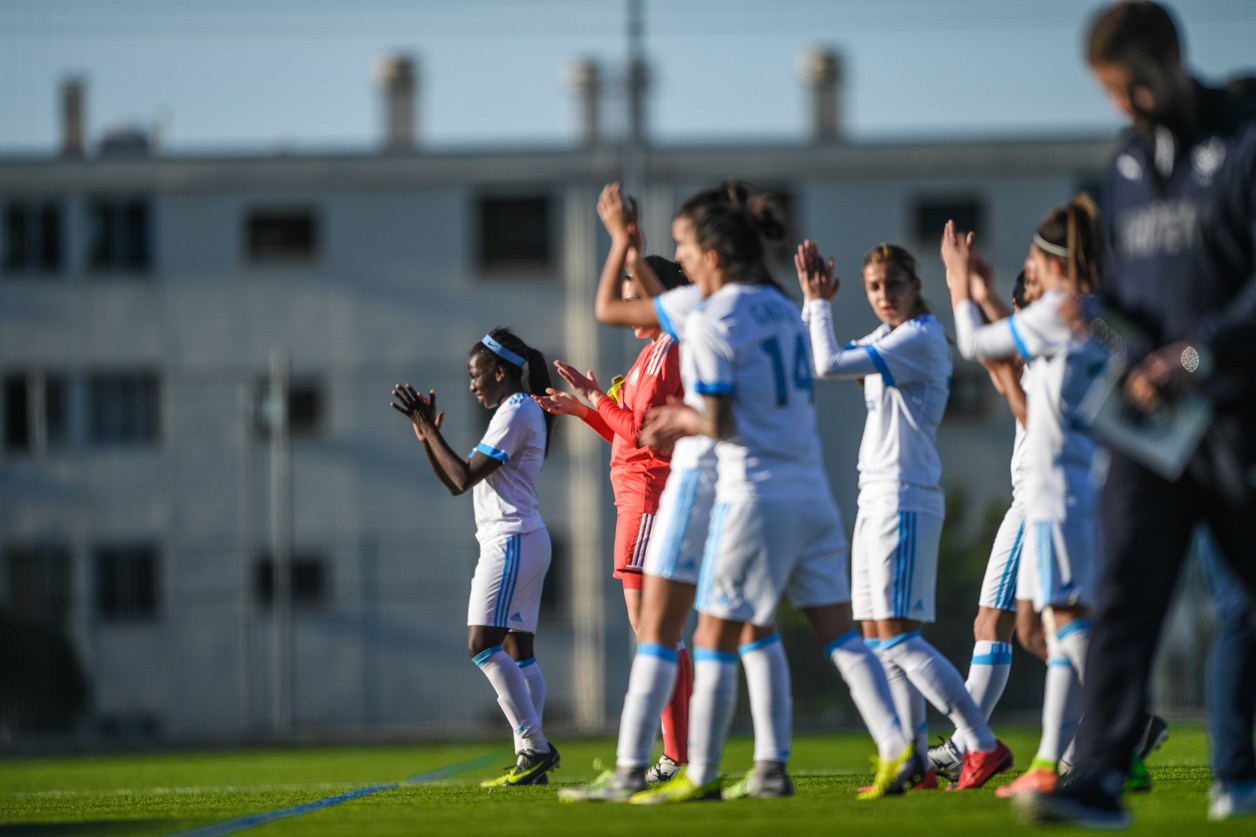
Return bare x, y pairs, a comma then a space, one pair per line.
586, 82
73, 95
398, 82
821, 70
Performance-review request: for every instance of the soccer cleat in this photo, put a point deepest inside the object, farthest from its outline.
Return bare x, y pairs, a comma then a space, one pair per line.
1033, 780
677, 789
610, 786
530, 769
766, 780
661, 772
928, 782
1138, 780
1088, 803
1154, 734
946, 759
1232, 799
979, 768
897, 775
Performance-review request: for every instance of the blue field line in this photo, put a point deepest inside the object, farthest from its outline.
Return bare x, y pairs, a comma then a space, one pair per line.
254, 820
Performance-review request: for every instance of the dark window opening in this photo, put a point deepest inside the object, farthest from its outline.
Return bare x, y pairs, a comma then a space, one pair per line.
308, 580
32, 238
305, 409
272, 236
123, 407
39, 583
970, 391
931, 215
119, 235
515, 234
127, 583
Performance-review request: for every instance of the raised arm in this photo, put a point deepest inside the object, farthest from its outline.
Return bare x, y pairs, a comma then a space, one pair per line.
609, 305
455, 473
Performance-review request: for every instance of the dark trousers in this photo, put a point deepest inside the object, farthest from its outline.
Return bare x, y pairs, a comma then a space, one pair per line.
1147, 524
1231, 671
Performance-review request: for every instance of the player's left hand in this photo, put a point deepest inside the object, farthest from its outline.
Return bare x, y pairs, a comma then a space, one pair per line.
956, 255
420, 411
1160, 375
667, 423
586, 385
815, 274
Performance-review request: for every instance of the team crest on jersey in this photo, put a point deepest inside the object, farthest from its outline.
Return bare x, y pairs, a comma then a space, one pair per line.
1206, 159
1129, 167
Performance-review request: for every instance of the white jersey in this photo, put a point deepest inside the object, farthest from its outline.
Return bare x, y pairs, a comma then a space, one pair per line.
672, 310
1018, 452
1059, 453
505, 500
907, 374
747, 342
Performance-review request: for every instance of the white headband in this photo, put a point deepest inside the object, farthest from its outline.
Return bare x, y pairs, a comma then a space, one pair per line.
1047, 247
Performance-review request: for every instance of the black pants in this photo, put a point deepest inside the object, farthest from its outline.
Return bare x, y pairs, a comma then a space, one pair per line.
1147, 524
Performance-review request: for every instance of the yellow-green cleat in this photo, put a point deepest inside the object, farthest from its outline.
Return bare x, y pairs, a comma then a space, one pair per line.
677, 789
895, 776
610, 786
530, 769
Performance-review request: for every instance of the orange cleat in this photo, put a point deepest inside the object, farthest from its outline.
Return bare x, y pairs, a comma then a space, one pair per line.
979, 768
1033, 780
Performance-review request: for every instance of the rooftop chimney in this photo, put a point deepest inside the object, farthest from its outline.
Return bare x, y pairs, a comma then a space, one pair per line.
72, 129
821, 70
585, 80
397, 79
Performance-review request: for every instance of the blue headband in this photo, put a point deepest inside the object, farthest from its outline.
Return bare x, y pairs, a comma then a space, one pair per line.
502, 352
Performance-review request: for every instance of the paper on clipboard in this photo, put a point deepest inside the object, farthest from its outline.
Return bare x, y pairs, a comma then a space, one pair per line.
1163, 440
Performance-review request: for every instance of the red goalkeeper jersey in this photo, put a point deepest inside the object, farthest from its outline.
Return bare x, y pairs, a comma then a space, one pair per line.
637, 472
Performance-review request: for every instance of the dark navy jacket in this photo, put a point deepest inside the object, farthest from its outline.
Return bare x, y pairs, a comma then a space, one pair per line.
1182, 264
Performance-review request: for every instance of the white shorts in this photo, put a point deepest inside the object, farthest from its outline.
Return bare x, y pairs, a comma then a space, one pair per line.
759, 549
1060, 561
998, 591
506, 589
680, 525
894, 572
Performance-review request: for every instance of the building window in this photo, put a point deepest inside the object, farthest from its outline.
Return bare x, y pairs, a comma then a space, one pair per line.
39, 583
970, 391
277, 236
36, 411
127, 583
931, 215
32, 237
119, 235
306, 409
515, 234
123, 408
307, 579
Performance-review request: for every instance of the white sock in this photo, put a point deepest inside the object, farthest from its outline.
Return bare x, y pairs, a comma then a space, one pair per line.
771, 702
987, 678
536, 685
940, 683
909, 704
1060, 708
512, 696
650, 685
865, 677
710, 712
1074, 639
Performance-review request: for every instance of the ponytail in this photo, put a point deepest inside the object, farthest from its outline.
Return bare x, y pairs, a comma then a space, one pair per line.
513, 350
1071, 233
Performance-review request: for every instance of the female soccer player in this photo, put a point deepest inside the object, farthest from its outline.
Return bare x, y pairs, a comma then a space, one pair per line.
905, 366
638, 473
670, 572
1060, 488
775, 527
514, 543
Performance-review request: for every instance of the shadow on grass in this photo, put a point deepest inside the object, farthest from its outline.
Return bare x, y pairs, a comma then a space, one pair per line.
133, 827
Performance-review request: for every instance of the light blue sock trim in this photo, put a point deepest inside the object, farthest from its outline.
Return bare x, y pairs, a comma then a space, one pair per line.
479, 658
1073, 627
774, 639
710, 655
1000, 654
850, 636
886, 645
873, 642
1063, 662
531, 661
652, 649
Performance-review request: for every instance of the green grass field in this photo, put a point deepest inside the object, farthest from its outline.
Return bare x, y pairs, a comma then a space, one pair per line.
169, 793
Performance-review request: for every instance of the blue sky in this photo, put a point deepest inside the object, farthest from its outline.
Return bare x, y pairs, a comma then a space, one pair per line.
260, 75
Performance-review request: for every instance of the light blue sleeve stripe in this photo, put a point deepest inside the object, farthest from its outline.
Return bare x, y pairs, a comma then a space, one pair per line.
850, 636
713, 388
489, 450
886, 645
479, 658
710, 655
665, 322
881, 366
774, 639
653, 649
1021, 348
